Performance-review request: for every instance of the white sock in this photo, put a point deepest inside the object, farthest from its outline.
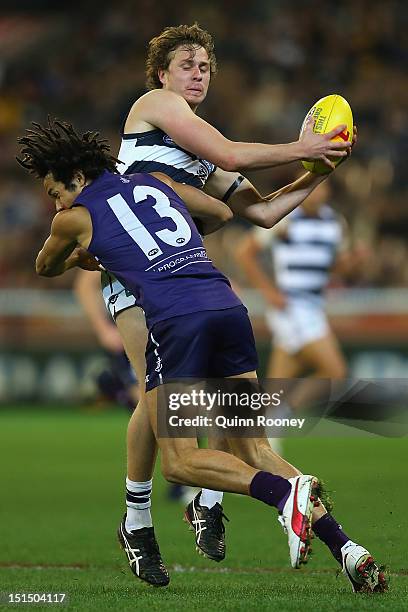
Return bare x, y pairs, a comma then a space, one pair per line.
138, 503
209, 498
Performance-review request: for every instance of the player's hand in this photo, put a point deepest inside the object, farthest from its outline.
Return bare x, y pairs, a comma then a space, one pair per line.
86, 261
350, 149
320, 146
276, 299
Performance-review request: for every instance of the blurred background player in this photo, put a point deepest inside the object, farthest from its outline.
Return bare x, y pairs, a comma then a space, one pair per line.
118, 381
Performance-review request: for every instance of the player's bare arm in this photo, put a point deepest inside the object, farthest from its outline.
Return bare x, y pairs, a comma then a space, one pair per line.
245, 201
87, 288
212, 213
247, 257
171, 113
70, 229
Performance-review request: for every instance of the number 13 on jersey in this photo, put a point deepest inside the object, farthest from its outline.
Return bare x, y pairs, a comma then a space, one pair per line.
180, 236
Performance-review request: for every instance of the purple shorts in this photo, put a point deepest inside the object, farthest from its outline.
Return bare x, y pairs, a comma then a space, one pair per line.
206, 344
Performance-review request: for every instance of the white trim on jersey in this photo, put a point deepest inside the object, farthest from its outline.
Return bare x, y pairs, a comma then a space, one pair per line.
302, 253
303, 280
321, 230
129, 153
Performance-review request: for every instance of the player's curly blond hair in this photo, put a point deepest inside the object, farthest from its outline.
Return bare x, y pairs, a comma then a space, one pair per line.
160, 50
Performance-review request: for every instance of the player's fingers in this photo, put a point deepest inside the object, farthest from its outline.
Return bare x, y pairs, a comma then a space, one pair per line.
309, 124
337, 153
339, 145
327, 162
336, 131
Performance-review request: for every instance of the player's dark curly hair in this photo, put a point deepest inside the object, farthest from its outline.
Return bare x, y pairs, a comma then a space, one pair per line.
159, 54
58, 149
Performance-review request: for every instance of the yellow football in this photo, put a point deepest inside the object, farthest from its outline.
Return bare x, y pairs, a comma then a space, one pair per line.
329, 112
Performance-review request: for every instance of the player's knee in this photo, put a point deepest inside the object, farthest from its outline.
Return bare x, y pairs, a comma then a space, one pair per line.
172, 469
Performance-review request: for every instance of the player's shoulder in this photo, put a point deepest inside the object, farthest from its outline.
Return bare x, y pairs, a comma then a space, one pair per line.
151, 109
156, 97
70, 221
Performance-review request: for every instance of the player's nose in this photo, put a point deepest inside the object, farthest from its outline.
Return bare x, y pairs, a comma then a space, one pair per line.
197, 75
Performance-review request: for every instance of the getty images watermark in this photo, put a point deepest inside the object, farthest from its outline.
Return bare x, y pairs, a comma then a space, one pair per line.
225, 407
214, 401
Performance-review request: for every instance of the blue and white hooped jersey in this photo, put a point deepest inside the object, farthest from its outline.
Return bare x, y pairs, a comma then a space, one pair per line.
302, 258
155, 151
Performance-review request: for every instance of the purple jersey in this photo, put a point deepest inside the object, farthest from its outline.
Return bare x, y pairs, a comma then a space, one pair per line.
144, 234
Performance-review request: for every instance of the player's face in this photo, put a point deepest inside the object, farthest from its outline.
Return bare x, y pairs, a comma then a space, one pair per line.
62, 196
188, 74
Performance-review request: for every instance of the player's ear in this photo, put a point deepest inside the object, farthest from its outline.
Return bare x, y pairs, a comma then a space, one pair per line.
161, 73
79, 178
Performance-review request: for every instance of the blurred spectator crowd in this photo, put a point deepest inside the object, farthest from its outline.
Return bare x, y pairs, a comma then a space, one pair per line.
275, 59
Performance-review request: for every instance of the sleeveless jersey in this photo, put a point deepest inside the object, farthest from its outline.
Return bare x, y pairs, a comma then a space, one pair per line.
144, 234
303, 257
155, 151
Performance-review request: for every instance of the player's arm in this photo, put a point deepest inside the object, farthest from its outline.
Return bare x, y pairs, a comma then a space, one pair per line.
60, 252
245, 201
247, 257
171, 113
351, 257
87, 288
212, 213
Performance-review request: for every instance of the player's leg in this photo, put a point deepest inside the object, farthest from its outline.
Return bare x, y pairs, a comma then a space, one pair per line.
324, 357
282, 364
258, 454
208, 497
357, 563
136, 532
142, 448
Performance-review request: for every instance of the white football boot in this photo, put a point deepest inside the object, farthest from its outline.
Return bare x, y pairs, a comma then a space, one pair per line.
296, 517
361, 569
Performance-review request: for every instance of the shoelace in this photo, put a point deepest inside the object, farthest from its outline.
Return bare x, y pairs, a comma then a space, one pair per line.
215, 519
147, 543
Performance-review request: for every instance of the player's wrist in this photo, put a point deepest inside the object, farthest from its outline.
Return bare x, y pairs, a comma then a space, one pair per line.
299, 150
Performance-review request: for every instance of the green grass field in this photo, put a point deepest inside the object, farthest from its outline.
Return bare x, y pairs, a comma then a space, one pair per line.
62, 499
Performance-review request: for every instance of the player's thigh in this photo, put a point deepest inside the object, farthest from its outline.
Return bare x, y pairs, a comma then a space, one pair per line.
325, 357
283, 364
131, 324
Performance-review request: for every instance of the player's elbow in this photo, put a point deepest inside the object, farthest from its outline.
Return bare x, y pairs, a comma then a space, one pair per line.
42, 269
228, 159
